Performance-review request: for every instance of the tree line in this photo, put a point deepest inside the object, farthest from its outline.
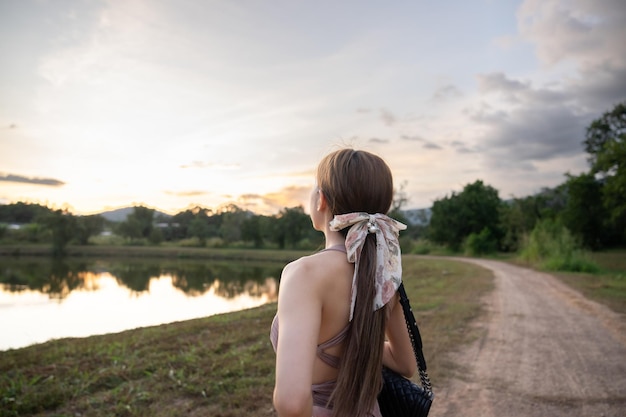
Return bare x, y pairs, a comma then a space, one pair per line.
589, 209
227, 226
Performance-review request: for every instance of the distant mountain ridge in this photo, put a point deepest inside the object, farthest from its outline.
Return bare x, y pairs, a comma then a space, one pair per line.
121, 214
419, 217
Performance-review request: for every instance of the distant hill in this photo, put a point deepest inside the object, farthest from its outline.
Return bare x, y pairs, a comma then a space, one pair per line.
120, 214
418, 217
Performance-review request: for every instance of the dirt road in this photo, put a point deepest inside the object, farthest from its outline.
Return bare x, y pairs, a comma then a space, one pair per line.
544, 350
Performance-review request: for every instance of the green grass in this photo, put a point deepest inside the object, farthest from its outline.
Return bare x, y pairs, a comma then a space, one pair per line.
608, 285
612, 260
219, 366
156, 251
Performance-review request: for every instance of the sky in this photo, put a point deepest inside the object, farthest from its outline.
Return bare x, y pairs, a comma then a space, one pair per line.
172, 104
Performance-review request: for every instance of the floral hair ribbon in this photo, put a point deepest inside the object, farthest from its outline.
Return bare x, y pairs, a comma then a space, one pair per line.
388, 262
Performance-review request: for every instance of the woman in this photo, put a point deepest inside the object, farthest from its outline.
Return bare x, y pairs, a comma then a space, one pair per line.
339, 314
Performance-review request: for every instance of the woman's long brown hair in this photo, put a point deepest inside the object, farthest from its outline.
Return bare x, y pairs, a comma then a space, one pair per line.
358, 181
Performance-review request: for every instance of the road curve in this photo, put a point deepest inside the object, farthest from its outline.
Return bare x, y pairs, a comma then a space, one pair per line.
543, 350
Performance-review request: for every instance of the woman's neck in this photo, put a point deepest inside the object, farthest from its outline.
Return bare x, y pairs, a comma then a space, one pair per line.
334, 238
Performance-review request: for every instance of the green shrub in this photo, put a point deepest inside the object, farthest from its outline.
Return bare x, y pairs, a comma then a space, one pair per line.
480, 243
107, 240
156, 236
427, 247
190, 242
551, 246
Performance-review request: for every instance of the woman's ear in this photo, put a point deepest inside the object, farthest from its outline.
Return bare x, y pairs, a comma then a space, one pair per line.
321, 201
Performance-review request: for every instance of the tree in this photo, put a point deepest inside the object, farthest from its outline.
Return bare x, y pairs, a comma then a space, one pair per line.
199, 228
62, 225
180, 224
519, 215
606, 144
584, 213
87, 226
22, 213
252, 230
400, 200
518, 218
291, 226
138, 224
232, 218
456, 217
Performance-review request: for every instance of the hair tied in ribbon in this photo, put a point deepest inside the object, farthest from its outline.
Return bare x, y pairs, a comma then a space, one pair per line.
388, 262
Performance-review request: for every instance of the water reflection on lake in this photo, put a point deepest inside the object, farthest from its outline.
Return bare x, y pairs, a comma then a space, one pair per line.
41, 299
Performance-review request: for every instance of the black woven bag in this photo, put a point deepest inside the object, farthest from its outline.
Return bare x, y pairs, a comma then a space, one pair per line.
401, 397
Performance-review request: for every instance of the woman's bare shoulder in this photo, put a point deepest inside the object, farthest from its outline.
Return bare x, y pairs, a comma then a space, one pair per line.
316, 267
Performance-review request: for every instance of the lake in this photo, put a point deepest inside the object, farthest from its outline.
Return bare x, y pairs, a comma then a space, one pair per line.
43, 299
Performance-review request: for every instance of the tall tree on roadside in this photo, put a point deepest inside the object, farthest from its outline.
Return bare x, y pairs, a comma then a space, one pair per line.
584, 213
456, 217
518, 218
606, 144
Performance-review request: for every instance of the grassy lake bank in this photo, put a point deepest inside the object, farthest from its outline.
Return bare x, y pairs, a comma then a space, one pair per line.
221, 365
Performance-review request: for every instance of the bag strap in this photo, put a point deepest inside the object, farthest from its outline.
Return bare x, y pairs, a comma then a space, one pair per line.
416, 339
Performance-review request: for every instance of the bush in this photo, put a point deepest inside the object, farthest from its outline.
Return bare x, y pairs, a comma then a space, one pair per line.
190, 242
107, 240
156, 236
480, 243
426, 247
551, 246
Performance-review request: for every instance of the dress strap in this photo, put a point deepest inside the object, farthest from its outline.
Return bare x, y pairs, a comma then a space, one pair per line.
339, 248
327, 358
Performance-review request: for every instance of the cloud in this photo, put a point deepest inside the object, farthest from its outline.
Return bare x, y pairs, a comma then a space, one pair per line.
378, 140
601, 87
465, 150
462, 147
586, 34
587, 31
191, 193
272, 203
523, 124
535, 131
426, 143
387, 117
446, 92
414, 138
485, 113
498, 82
430, 145
210, 165
38, 181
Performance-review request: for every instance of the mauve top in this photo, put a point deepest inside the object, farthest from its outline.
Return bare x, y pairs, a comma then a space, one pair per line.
322, 391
